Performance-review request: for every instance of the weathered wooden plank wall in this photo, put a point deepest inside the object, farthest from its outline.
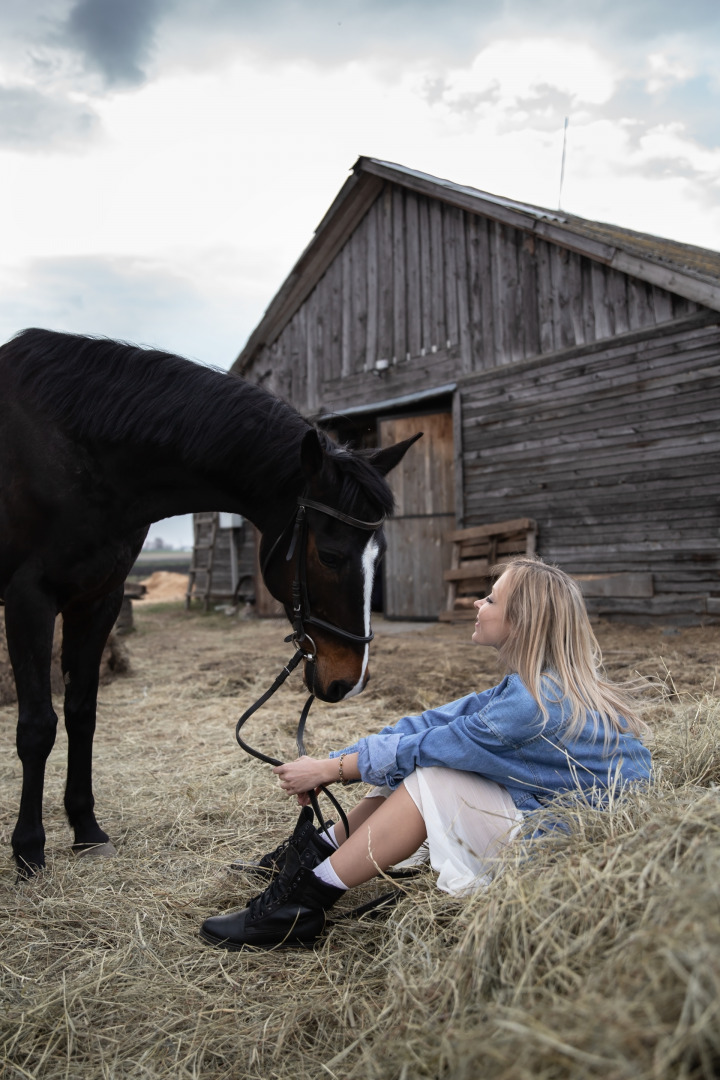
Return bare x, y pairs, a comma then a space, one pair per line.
586, 398
615, 450
438, 292
230, 567
423, 488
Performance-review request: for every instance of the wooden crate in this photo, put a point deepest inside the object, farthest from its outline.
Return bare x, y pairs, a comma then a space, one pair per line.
475, 552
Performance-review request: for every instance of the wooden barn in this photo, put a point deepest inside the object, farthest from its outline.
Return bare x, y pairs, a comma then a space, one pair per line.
222, 567
564, 371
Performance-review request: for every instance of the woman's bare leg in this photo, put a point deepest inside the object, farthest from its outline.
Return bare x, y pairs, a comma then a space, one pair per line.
395, 830
358, 816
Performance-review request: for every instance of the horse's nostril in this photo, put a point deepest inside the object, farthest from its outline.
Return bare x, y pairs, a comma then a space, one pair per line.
337, 690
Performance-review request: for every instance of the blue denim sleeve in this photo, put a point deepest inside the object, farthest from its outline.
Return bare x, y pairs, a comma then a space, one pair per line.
477, 733
411, 725
377, 754
377, 757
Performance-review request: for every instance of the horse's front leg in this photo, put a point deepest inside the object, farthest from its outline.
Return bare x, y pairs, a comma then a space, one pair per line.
85, 632
29, 626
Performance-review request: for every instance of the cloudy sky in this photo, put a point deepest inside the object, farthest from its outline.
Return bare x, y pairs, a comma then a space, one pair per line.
164, 162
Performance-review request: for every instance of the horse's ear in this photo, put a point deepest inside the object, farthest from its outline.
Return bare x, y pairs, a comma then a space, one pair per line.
311, 453
386, 459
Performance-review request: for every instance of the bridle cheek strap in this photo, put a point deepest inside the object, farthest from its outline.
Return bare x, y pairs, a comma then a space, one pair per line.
302, 612
302, 615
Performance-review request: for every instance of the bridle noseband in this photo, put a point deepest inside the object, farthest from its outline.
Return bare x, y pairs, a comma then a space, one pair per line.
302, 614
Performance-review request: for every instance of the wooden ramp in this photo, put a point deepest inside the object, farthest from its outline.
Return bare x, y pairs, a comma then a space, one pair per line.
474, 553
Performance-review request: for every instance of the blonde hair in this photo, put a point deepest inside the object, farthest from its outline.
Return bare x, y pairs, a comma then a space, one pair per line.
551, 636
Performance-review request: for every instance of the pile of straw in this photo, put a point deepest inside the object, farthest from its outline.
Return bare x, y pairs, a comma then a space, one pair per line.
594, 953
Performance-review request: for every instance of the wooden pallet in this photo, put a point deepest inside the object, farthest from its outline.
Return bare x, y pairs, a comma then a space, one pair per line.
475, 552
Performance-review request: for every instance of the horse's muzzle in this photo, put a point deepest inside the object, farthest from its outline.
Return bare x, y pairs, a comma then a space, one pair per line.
337, 690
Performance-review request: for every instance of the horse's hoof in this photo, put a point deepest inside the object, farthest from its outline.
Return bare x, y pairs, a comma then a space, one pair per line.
28, 872
95, 851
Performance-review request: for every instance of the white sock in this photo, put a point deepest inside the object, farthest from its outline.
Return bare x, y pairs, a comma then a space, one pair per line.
326, 873
330, 836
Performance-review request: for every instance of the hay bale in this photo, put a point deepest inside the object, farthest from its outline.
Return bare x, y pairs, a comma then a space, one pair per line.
165, 586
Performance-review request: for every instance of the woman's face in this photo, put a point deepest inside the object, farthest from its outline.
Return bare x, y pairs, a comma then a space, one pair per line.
491, 627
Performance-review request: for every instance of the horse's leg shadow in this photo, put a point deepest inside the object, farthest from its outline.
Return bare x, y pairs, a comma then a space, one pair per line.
85, 632
29, 626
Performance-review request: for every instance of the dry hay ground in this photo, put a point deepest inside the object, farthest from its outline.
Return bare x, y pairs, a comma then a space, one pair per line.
595, 955
115, 661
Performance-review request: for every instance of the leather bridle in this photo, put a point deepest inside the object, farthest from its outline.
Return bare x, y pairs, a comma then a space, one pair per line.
302, 616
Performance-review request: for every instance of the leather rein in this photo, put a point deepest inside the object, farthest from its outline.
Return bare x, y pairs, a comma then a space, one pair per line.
303, 616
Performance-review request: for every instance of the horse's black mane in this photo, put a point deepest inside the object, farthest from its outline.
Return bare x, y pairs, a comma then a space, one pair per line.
360, 481
112, 392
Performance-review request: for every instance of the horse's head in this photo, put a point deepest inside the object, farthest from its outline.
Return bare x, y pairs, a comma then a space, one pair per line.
322, 565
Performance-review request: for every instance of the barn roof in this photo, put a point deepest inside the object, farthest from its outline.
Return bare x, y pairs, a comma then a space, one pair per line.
688, 271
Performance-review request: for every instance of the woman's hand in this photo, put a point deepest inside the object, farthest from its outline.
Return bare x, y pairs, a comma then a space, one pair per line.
306, 774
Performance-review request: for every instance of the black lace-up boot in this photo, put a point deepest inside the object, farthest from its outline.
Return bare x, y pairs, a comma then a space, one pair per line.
305, 835
291, 911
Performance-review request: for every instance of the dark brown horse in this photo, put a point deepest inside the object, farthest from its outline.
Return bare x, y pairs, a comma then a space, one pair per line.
99, 439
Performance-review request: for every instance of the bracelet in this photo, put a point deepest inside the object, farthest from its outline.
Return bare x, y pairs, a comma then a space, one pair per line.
343, 781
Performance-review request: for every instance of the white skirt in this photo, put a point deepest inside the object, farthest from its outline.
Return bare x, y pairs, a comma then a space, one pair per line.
468, 820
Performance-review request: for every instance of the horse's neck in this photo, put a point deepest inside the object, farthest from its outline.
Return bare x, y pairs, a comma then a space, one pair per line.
187, 491
250, 465
169, 436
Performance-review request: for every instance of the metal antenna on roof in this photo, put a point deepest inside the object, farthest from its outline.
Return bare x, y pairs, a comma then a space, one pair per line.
562, 164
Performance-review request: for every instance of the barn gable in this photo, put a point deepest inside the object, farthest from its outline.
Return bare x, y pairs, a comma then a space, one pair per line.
578, 362
405, 267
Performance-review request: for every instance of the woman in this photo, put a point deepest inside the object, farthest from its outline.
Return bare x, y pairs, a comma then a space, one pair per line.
461, 777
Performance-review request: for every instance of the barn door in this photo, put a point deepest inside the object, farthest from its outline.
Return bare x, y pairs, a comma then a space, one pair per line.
424, 488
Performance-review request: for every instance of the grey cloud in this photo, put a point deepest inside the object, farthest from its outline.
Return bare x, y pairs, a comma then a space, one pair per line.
123, 40
661, 168
113, 38
433, 90
700, 187
617, 21
31, 120
692, 103
544, 111
131, 299
438, 90
334, 30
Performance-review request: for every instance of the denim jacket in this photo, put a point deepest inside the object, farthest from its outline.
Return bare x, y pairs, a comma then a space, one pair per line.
500, 734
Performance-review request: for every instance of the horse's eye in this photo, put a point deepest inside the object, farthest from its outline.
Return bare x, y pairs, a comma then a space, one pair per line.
330, 560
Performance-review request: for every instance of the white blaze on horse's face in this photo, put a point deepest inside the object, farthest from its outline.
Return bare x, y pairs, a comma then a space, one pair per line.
369, 565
